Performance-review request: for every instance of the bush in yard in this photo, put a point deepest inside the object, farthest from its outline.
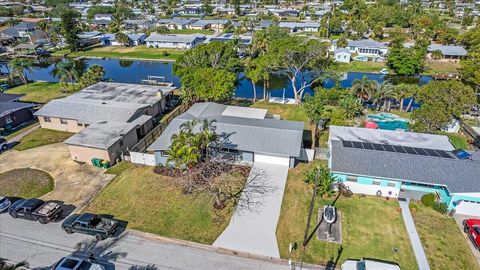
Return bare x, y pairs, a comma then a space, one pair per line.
428, 199
440, 207
165, 53
344, 190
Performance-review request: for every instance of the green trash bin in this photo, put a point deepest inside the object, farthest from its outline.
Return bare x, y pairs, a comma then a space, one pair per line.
94, 161
104, 164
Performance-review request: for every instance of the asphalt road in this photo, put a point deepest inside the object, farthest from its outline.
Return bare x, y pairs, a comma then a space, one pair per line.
42, 245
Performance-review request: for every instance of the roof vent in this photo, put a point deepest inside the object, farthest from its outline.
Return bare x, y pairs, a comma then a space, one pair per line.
103, 102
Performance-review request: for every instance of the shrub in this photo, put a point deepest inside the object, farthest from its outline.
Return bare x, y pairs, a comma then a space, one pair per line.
440, 207
413, 207
344, 190
428, 199
165, 53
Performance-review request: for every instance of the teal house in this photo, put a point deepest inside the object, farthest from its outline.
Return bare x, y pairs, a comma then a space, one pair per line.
400, 164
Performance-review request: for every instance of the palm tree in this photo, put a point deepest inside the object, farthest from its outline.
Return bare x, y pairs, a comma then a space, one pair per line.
255, 73
207, 136
399, 93
163, 30
67, 72
383, 94
364, 88
17, 67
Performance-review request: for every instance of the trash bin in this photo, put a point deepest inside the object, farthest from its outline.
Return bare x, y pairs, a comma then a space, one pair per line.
104, 164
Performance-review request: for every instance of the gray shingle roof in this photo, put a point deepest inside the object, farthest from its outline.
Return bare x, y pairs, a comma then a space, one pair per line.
267, 136
365, 43
458, 175
12, 106
4, 97
101, 135
174, 38
448, 49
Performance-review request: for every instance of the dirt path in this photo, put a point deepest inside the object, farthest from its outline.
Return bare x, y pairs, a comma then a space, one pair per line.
75, 183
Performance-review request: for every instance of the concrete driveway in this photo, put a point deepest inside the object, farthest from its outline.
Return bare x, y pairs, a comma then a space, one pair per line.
253, 231
459, 219
75, 184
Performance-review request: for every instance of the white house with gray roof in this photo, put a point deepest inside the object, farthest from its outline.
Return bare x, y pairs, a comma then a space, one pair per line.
107, 118
400, 164
448, 51
247, 133
365, 47
174, 41
294, 27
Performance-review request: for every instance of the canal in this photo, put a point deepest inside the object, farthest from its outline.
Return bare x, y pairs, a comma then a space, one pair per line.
128, 71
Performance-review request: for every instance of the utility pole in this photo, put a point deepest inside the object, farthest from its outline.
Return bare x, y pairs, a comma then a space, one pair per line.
310, 211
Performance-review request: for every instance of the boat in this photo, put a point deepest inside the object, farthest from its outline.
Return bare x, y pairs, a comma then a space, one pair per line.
329, 213
384, 71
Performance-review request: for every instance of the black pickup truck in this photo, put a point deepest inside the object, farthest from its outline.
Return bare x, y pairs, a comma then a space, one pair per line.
92, 224
35, 209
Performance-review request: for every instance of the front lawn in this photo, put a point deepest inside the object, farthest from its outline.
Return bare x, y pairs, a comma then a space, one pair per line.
371, 227
286, 111
442, 240
155, 204
41, 92
361, 66
136, 52
25, 183
441, 67
458, 140
40, 137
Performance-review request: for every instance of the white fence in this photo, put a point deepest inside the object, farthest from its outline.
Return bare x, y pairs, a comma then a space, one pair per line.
307, 154
143, 158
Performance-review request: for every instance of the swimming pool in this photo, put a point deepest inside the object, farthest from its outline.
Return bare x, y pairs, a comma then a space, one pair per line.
388, 121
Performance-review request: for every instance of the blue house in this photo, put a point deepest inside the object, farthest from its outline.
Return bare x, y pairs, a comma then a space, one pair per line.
401, 164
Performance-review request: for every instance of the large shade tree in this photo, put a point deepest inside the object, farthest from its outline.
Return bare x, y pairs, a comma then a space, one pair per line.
70, 28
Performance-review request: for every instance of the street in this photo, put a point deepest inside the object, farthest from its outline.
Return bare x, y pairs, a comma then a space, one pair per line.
42, 245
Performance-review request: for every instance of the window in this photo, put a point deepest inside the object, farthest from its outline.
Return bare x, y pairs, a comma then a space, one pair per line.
8, 119
47, 119
376, 182
351, 178
121, 143
391, 184
63, 121
79, 124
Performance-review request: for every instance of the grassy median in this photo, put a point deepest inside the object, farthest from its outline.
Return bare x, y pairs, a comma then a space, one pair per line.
371, 227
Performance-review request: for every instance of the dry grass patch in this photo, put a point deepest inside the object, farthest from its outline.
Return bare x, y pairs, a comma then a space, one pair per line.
25, 183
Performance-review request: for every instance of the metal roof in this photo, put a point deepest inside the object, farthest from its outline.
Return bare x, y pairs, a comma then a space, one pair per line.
101, 135
412, 139
365, 43
458, 175
267, 136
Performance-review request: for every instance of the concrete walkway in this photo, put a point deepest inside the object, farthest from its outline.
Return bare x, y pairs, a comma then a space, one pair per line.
24, 133
253, 230
414, 238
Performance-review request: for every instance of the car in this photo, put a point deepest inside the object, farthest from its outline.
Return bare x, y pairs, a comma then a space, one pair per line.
472, 228
3, 143
91, 224
35, 209
369, 264
4, 204
72, 263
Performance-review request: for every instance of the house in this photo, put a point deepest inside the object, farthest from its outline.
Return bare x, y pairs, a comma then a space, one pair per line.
102, 17
246, 133
448, 51
294, 27
243, 40
174, 24
342, 55
133, 40
108, 118
90, 38
18, 32
365, 47
174, 41
195, 10
400, 164
12, 112
137, 24
217, 24
264, 25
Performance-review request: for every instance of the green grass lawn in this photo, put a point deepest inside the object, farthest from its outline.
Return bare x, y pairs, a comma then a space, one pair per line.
40, 137
25, 183
458, 140
441, 67
360, 66
136, 52
442, 240
20, 130
371, 227
155, 204
286, 111
41, 92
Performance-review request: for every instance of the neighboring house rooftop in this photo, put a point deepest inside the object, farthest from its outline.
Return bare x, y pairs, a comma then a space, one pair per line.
448, 49
9, 107
241, 129
410, 139
174, 38
92, 34
342, 50
101, 135
293, 25
369, 43
458, 175
4, 97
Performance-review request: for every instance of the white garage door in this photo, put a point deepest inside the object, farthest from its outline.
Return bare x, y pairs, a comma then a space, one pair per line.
468, 208
285, 161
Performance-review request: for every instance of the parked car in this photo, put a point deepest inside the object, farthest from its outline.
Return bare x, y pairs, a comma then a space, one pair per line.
472, 229
72, 263
35, 209
4, 204
91, 224
369, 264
3, 143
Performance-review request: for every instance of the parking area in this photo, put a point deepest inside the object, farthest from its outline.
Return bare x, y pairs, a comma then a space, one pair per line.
75, 183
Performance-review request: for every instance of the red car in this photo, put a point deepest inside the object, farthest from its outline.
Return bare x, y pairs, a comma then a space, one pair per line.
472, 228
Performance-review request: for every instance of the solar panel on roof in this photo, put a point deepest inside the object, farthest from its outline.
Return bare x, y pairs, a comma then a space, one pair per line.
399, 149
388, 148
409, 150
443, 154
347, 144
378, 146
368, 146
421, 151
357, 145
432, 153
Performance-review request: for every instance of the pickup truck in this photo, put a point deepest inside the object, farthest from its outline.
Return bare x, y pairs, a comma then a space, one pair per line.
35, 209
91, 224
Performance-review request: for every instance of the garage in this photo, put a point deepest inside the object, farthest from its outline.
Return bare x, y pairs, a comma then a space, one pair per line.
468, 208
269, 159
